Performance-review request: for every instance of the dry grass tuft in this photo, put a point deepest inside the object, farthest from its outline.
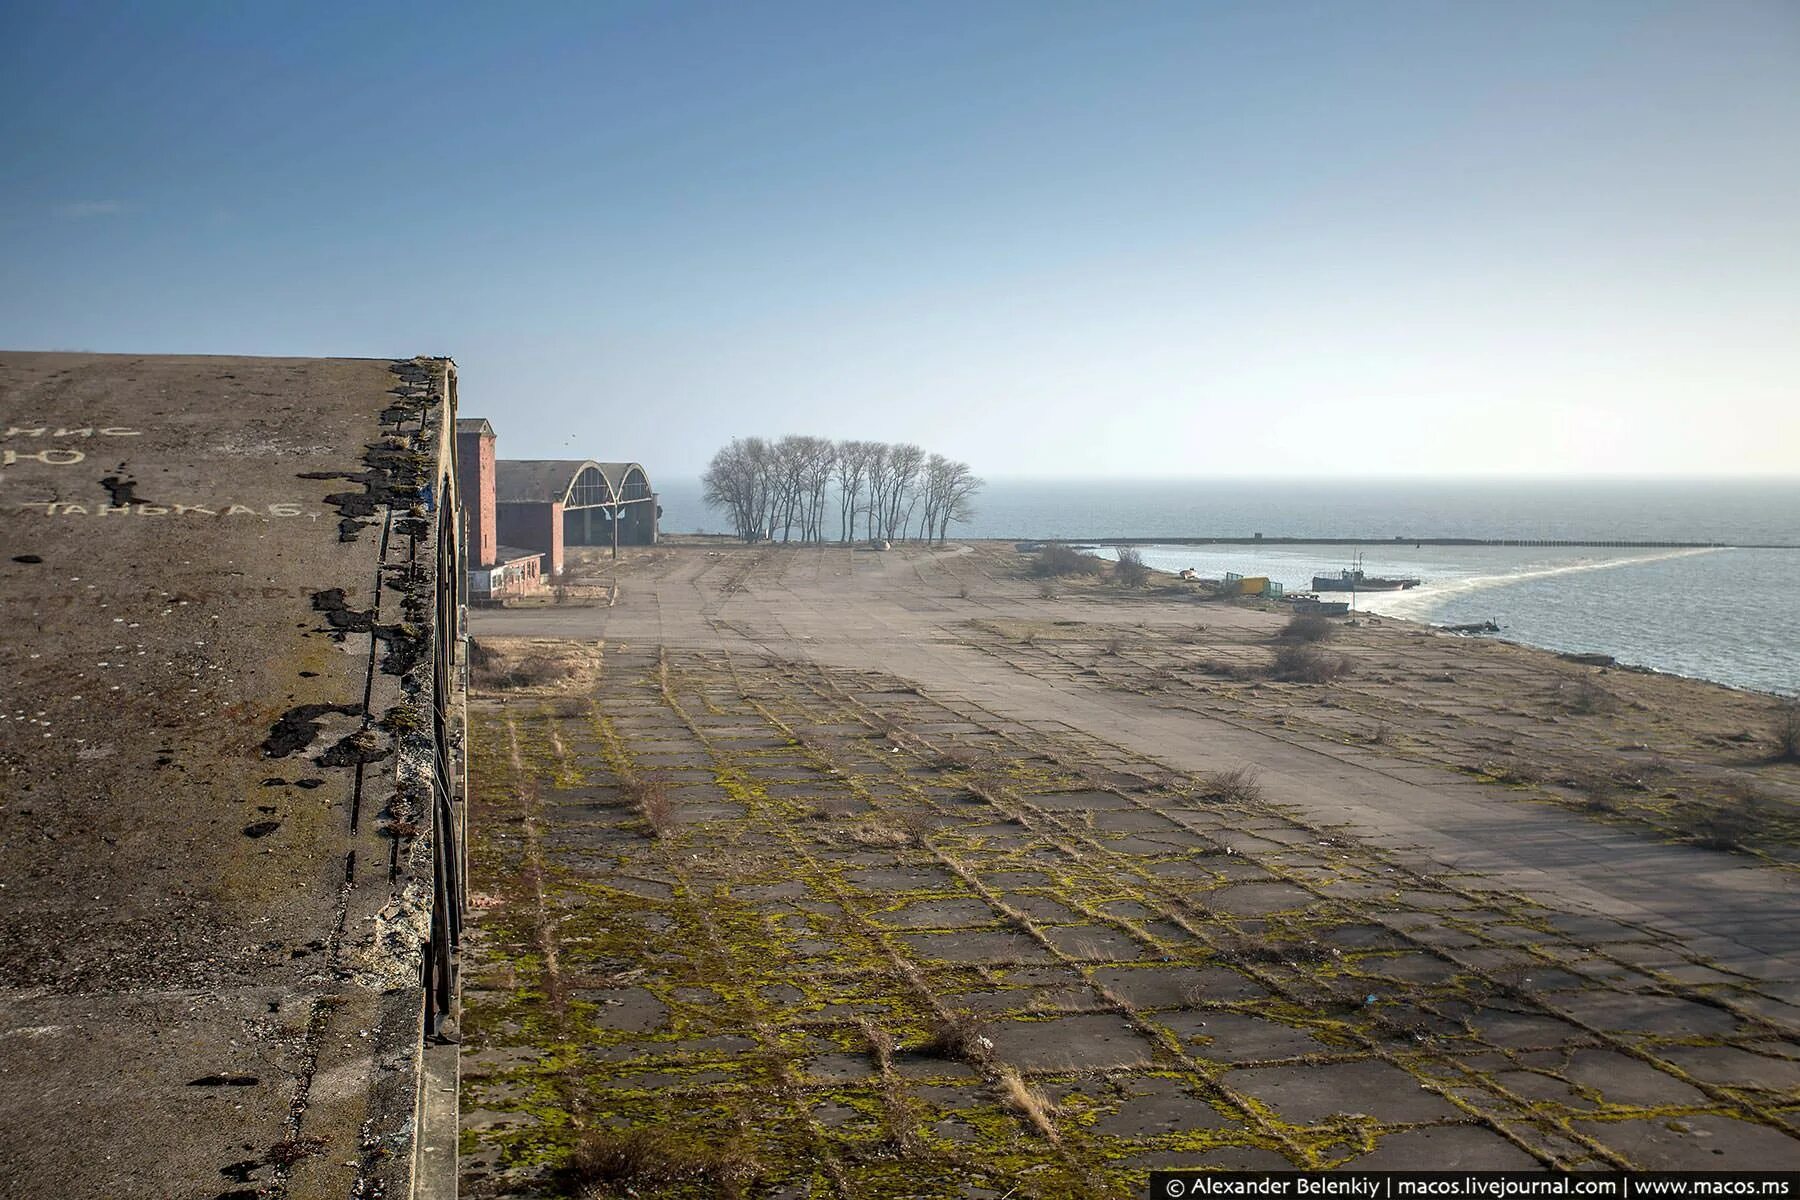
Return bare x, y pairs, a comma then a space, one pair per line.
886, 831
608, 1163
1505, 771
1242, 785
959, 1037
878, 834
491, 670
957, 758
1031, 1104
649, 797
1237, 948
879, 1041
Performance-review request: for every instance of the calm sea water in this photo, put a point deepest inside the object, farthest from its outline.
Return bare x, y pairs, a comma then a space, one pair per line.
1731, 615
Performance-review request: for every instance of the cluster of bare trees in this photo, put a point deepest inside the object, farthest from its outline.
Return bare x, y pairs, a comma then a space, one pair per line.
779, 489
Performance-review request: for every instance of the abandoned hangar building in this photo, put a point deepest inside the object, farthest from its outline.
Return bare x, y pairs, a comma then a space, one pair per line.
518, 509
232, 787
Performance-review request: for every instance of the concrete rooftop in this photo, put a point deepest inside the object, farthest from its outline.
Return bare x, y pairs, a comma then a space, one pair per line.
211, 901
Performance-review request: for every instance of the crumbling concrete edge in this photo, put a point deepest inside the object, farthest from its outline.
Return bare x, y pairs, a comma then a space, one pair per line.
407, 1133
440, 1086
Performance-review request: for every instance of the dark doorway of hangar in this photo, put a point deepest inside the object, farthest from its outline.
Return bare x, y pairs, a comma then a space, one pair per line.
610, 504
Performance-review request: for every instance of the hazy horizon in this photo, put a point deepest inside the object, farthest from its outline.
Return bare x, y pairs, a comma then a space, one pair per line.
1792, 477
1248, 241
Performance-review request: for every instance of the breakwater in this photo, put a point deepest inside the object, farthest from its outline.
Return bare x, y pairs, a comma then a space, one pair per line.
1260, 540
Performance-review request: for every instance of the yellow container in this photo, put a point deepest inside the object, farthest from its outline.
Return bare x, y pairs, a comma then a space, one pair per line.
1253, 585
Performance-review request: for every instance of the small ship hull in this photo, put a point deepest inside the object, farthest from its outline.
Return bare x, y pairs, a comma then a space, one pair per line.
1360, 583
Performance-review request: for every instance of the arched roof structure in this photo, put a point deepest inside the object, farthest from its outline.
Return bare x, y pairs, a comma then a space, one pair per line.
571, 482
627, 479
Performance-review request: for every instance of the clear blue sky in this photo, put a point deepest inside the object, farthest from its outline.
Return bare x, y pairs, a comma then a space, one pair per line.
1119, 238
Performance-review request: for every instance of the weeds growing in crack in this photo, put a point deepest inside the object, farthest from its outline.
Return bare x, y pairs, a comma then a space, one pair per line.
1036, 1108
649, 797
959, 1037
1241, 785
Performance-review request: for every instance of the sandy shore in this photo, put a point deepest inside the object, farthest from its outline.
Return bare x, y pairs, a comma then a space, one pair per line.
858, 873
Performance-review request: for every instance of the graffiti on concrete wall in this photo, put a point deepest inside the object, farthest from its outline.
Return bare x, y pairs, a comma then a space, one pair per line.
59, 508
56, 456
124, 502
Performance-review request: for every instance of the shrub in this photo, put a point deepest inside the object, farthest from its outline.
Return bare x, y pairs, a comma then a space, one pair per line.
1732, 824
1240, 786
1056, 561
1597, 794
1306, 628
960, 1037
1130, 571
1787, 732
1303, 664
1585, 696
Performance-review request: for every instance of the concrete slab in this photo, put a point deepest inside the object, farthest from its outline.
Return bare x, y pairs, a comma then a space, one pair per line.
1446, 1148
1174, 987
1313, 1093
1075, 1043
1231, 1037
1706, 1142
1158, 1105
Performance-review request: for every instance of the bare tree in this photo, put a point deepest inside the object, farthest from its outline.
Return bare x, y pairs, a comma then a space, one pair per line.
950, 489
878, 482
904, 463
815, 479
852, 468
761, 456
771, 489
731, 483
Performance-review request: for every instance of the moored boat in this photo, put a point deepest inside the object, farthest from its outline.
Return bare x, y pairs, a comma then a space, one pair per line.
1353, 580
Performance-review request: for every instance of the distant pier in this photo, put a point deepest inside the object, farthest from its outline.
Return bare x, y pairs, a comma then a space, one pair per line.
1260, 540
